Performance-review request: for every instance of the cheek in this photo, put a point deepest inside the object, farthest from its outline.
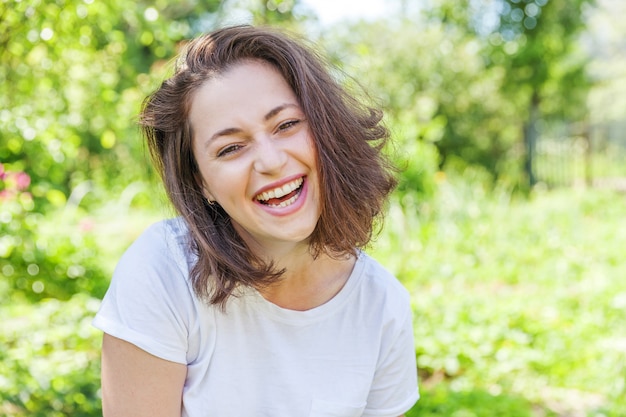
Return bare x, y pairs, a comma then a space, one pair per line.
223, 184
205, 179
310, 147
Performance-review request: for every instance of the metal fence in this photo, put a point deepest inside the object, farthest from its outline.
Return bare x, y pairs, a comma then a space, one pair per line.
581, 154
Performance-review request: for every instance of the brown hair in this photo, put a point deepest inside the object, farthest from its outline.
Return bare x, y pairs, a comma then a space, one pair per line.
355, 176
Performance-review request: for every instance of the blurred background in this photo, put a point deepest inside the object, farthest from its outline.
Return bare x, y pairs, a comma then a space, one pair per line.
508, 227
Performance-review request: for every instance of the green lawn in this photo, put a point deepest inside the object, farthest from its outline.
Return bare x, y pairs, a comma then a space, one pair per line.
520, 306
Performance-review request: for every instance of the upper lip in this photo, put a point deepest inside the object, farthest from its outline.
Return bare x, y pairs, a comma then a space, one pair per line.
277, 184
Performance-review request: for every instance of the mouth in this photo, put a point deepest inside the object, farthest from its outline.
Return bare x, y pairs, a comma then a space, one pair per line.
282, 196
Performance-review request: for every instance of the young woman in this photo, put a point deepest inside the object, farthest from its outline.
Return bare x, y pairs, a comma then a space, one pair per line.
257, 300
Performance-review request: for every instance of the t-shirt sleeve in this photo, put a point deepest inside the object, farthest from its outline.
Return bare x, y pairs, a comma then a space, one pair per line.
394, 390
148, 302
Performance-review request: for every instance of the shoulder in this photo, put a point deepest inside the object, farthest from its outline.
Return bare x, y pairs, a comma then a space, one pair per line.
381, 282
149, 302
164, 236
382, 294
164, 241
160, 255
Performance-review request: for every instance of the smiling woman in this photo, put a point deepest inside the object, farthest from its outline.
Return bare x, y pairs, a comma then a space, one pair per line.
257, 300
251, 130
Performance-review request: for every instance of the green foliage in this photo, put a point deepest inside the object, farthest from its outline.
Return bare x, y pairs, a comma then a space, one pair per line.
543, 56
467, 76
39, 258
66, 251
49, 362
607, 68
74, 73
514, 300
442, 401
275, 12
436, 90
48, 259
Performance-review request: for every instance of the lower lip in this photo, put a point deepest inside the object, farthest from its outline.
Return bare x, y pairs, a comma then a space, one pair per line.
285, 211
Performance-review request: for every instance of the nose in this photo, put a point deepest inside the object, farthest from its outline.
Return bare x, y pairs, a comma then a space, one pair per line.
270, 157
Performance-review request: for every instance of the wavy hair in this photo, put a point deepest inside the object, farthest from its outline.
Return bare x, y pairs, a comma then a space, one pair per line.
355, 176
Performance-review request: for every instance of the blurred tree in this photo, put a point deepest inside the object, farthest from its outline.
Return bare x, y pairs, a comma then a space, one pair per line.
73, 74
274, 12
286, 14
476, 77
442, 102
606, 41
537, 43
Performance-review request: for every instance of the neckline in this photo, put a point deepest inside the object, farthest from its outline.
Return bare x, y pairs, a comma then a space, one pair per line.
300, 317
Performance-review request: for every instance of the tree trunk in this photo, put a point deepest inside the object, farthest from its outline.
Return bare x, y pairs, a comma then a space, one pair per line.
530, 138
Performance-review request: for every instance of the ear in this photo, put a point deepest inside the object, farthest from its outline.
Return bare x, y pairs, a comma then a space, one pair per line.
205, 190
207, 194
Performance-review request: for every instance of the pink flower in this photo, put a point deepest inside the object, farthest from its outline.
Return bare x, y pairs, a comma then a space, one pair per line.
3, 173
22, 181
6, 195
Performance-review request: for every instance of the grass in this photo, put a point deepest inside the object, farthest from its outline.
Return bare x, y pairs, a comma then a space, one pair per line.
520, 306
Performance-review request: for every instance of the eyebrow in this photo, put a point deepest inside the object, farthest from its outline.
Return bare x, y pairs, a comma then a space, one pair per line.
234, 130
277, 110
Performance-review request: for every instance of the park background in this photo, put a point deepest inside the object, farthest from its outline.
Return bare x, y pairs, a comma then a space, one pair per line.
508, 226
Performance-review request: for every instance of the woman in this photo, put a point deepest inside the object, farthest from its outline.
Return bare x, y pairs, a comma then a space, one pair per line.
257, 300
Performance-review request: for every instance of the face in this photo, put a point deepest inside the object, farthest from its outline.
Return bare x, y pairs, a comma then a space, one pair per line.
256, 155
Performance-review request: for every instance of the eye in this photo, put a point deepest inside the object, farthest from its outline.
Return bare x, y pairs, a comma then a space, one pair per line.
228, 150
288, 125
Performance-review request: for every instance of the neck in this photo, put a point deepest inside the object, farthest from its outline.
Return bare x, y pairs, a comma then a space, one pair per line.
308, 282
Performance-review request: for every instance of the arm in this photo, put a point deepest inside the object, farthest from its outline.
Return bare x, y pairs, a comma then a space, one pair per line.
138, 384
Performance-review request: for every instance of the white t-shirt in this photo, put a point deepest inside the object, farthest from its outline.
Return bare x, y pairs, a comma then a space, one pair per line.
352, 356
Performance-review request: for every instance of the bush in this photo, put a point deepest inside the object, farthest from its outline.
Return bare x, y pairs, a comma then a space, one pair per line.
515, 301
49, 363
66, 251
49, 256
440, 401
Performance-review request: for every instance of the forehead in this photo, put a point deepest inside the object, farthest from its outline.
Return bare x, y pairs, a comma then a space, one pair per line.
245, 85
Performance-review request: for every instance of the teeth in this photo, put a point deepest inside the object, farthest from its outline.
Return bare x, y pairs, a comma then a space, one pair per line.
288, 202
281, 192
